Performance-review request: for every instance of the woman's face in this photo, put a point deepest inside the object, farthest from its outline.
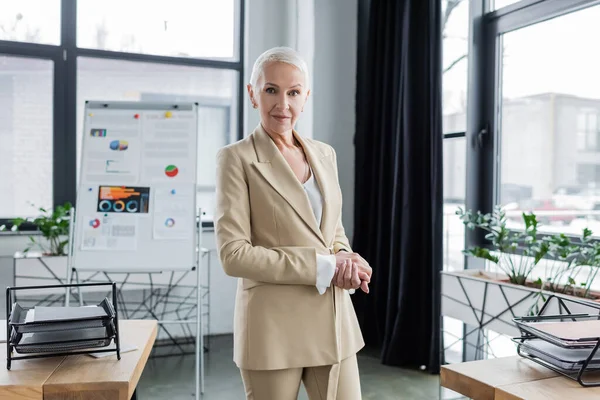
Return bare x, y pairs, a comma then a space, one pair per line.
280, 94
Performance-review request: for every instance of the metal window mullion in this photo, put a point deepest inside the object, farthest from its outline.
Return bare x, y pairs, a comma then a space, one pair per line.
535, 13
480, 117
158, 59
241, 78
34, 50
65, 139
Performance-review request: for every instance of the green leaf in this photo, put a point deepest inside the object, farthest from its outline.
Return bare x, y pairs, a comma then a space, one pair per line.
480, 252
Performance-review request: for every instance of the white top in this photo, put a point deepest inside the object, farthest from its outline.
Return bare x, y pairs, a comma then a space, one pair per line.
314, 197
325, 264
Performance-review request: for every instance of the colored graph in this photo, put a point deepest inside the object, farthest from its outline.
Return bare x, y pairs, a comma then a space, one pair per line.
170, 222
95, 223
123, 199
171, 171
119, 145
98, 133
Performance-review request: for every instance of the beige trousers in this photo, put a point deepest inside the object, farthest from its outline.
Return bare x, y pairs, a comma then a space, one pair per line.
340, 381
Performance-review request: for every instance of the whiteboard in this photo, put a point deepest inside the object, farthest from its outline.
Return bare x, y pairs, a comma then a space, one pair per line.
136, 197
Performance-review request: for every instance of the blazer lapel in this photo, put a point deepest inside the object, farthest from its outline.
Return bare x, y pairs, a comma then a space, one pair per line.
325, 176
276, 171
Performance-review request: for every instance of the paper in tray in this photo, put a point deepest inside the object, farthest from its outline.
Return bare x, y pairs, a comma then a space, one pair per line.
568, 360
570, 330
581, 331
52, 319
40, 342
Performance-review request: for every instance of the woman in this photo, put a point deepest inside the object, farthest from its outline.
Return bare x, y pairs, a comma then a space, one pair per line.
278, 227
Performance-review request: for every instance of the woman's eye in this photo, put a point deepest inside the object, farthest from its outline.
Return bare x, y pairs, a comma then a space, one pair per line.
294, 93
270, 90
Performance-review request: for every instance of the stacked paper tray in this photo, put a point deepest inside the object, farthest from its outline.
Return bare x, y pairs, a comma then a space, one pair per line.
564, 343
569, 360
59, 329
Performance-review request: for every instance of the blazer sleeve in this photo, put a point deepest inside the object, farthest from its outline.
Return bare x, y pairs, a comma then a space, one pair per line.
239, 258
341, 241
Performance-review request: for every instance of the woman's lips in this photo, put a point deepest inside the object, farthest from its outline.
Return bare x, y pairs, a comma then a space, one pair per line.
281, 118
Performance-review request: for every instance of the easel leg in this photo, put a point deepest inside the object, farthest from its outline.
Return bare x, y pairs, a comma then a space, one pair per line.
78, 287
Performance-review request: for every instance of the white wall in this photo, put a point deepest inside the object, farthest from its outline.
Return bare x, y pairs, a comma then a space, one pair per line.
335, 89
324, 32
272, 23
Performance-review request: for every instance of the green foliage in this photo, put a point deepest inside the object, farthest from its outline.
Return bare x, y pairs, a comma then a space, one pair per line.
567, 261
54, 227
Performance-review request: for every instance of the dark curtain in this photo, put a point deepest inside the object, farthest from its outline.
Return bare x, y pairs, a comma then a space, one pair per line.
398, 193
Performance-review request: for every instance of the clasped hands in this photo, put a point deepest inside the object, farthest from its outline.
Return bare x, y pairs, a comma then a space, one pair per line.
351, 271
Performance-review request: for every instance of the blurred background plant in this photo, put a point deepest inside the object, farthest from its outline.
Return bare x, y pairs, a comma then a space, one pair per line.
570, 267
53, 226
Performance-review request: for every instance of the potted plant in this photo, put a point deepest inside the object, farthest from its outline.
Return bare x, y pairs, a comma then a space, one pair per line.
490, 299
53, 226
44, 256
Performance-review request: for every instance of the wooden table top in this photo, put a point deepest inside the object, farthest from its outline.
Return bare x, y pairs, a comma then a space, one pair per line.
82, 377
559, 388
479, 380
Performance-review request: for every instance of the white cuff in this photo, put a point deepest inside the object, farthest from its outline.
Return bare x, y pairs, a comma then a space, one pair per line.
325, 272
351, 291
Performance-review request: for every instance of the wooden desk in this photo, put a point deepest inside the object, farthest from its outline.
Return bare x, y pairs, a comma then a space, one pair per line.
480, 380
82, 377
559, 388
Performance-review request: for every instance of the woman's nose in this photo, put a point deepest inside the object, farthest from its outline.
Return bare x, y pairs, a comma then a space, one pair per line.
283, 103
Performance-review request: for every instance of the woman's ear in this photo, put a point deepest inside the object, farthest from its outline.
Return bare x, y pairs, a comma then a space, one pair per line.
306, 99
251, 94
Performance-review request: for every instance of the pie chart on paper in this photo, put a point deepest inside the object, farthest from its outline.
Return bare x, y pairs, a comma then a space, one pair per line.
171, 171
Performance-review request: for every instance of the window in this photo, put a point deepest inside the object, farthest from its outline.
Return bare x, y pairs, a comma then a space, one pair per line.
179, 28
185, 51
548, 126
26, 112
588, 131
454, 196
33, 21
455, 31
588, 175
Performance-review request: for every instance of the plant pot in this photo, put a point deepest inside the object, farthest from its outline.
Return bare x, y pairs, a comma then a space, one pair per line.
489, 301
36, 269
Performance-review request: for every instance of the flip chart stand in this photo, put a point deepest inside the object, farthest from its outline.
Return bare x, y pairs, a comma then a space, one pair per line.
200, 252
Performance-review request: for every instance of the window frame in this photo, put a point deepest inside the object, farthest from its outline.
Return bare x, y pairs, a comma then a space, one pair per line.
65, 56
484, 92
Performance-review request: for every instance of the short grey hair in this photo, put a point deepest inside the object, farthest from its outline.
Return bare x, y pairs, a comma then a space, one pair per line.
279, 54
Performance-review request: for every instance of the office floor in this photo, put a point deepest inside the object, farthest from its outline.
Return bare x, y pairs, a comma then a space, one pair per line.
172, 378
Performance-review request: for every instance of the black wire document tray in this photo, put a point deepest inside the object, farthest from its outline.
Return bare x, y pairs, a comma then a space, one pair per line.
59, 331
566, 343
49, 319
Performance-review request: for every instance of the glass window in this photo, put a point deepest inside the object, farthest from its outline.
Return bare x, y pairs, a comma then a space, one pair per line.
179, 28
33, 21
454, 235
455, 14
26, 112
455, 156
214, 89
548, 115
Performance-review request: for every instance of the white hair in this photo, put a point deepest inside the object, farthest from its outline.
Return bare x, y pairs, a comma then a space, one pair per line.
278, 54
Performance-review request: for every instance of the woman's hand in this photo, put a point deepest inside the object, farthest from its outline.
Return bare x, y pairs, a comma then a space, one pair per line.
364, 269
352, 272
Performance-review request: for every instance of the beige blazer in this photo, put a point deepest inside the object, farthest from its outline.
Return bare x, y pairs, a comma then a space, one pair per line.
267, 236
